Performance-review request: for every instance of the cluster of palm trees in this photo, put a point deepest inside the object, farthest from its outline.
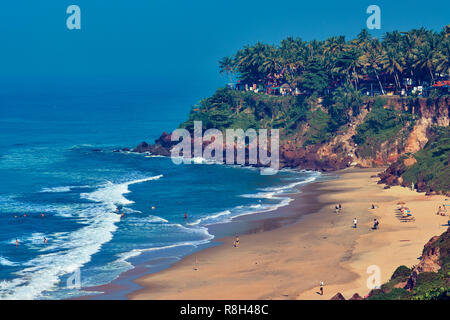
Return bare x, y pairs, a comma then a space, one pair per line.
418, 56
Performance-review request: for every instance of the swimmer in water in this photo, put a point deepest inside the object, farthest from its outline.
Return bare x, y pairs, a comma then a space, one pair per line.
45, 240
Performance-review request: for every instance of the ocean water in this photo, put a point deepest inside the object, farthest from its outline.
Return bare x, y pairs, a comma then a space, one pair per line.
55, 184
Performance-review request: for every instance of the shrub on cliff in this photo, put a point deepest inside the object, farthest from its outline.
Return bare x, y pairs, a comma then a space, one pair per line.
402, 273
382, 125
428, 285
432, 166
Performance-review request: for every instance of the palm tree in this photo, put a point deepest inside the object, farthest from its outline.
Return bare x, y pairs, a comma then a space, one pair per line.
426, 56
443, 58
393, 64
226, 65
373, 60
347, 65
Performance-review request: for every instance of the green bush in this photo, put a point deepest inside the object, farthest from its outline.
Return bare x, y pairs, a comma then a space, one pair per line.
381, 125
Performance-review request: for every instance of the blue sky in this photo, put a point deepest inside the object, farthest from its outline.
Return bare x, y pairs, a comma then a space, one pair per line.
179, 40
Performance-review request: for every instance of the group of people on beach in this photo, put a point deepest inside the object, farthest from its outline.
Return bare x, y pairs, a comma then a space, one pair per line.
338, 208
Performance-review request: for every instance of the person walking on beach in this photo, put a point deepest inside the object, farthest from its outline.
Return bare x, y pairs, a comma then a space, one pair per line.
375, 224
321, 288
196, 264
340, 207
236, 241
355, 223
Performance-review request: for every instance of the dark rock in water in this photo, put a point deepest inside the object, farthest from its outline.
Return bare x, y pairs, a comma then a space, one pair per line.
142, 147
161, 147
338, 296
125, 149
356, 296
116, 150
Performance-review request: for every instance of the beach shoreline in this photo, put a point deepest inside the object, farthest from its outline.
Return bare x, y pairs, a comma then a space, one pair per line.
282, 258
303, 199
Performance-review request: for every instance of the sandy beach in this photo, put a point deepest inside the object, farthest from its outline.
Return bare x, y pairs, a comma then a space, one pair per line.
289, 262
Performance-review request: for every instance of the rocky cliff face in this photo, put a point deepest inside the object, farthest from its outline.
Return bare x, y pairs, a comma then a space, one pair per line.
430, 259
428, 280
340, 151
430, 112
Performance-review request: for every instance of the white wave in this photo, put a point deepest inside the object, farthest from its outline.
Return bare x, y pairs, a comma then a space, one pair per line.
114, 193
56, 189
290, 186
70, 251
61, 189
154, 156
271, 193
124, 257
207, 218
6, 262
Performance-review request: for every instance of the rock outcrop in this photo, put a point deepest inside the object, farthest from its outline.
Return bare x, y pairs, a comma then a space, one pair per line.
431, 257
338, 296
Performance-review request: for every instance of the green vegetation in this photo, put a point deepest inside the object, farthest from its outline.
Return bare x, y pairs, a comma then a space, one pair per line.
432, 165
429, 285
381, 125
419, 54
318, 131
230, 109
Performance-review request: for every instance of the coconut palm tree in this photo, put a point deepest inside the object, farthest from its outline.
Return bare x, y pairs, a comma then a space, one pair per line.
372, 60
442, 58
426, 56
393, 64
226, 65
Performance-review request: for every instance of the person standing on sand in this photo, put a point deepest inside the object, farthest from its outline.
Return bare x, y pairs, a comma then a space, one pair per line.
196, 264
375, 224
355, 223
236, 241
321, 288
